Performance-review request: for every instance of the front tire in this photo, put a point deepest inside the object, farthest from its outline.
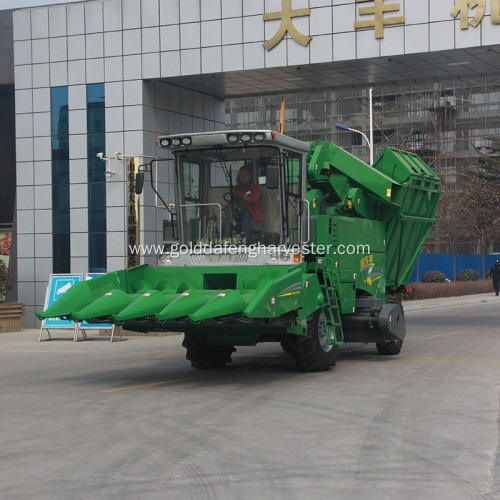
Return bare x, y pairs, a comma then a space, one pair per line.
204, 356
389, 348
313, 353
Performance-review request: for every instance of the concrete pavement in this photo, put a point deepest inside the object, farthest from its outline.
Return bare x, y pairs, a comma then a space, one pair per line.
132, 419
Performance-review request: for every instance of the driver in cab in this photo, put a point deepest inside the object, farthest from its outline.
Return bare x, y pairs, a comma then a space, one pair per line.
246, 205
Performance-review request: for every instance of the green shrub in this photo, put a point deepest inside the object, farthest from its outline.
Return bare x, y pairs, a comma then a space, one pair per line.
7, 280
467, 275
433, 277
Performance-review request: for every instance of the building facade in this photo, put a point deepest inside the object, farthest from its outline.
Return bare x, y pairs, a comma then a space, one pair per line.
453, 125
108, 76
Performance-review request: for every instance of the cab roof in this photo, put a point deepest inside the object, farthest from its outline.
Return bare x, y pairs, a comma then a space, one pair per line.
230, 138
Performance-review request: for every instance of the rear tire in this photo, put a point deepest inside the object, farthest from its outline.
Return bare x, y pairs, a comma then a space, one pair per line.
204, 356
312, 353
389, 348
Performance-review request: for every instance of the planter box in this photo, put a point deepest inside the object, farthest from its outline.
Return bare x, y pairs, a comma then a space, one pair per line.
10, 316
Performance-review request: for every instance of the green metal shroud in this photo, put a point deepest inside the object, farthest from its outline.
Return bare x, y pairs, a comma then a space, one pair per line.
170, 299
399, 191
389, 206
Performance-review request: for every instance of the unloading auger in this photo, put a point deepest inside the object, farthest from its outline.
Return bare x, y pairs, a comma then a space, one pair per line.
276, 240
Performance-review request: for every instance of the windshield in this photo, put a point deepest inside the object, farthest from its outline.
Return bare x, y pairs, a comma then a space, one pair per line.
222, 195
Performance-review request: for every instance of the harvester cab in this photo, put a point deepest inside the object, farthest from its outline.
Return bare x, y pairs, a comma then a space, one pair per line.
274, 240
238, 188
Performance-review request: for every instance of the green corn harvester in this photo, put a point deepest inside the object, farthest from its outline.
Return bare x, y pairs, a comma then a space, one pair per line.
318, 258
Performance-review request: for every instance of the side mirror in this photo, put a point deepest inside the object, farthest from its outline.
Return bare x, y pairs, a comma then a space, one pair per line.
272, 176
139, 182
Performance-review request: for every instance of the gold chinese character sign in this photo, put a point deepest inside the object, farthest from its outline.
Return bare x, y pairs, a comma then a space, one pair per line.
462, 8
286, 15
378, 10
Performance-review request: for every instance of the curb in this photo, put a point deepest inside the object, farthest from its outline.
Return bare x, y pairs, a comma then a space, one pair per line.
417, 305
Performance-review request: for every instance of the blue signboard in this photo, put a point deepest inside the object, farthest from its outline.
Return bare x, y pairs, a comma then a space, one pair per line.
59, 284
101, 326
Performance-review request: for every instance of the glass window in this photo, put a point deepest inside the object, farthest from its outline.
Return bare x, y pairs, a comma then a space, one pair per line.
96, 143
96, 167
97, 252
219, 172
60, 208
59, 110
224, 196
60, 169
61, 253
191, 181
95, 93
97, 207
292, 192
95, 118
60, 180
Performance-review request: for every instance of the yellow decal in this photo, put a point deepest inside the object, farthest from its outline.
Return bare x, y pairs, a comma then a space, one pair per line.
371, 280
289, 293
366, 262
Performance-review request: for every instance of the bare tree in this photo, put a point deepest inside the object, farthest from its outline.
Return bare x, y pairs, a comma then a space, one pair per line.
480, 206
489, 157
452, 221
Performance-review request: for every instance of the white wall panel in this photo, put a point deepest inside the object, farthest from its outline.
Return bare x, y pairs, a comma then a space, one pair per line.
232, 57
76, 18
113, 44
131, 14
58, 74
94, 17
76, 47
442, 35
94, 45
40, 51
417, 38
22, 52
40, 23
58, 48
57, 21
150, 40
211, 60
76, 72
169, 12
22, 24
151, 65
42, 172
95, 70
24, 175
150, 13
113, 70
112, 15
211, 33
321, 49
211, 10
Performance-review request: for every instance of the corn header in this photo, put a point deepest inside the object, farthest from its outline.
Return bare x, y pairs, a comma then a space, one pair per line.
274, 240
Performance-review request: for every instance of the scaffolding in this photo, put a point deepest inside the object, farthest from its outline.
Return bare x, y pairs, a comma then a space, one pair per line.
447, 124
